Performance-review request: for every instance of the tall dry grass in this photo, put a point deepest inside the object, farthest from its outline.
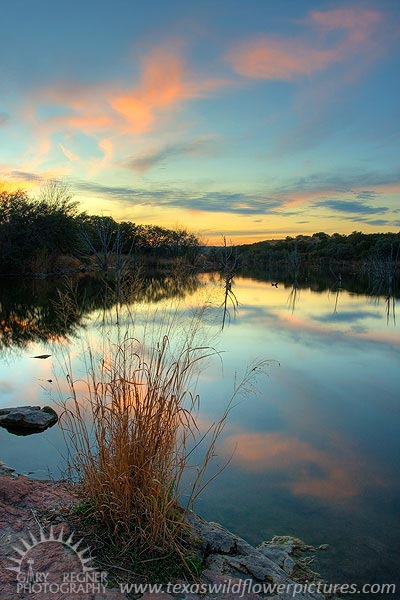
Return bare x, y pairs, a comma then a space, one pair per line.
131, 425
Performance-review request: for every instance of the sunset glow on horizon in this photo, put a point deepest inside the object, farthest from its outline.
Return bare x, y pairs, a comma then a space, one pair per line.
251, 120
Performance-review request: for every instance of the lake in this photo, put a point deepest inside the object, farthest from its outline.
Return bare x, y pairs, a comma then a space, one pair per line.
313, 443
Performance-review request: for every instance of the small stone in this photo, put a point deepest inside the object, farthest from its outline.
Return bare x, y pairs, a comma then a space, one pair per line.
24, 420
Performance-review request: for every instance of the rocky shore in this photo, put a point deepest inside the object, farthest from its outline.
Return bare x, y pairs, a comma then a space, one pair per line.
278, 569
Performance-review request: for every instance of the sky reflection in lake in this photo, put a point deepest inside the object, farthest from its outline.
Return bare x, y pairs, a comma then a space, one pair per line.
315, 444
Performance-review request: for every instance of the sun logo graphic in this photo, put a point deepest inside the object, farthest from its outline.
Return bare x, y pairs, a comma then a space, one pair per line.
72, 571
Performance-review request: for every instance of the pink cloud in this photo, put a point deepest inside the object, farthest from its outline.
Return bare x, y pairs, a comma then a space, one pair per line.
286, 58
268, 58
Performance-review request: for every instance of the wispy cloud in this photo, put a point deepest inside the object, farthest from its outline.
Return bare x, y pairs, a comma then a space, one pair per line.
367, 195
351, 206
359, 22
28, 180
382, 222
305, 196
325, 52
343, 182
214, 202
26, 176
193, 149
284, 58
70, 155
268, 58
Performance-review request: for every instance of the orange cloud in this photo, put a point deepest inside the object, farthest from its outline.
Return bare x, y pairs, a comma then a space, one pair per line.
108, 110
334, 474
165, 82
287, 59
136, 112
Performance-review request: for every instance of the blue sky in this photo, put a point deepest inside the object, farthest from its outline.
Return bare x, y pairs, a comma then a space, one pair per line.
253, 119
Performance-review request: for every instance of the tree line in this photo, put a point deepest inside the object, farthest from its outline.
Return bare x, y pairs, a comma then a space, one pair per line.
50, 232
320, 248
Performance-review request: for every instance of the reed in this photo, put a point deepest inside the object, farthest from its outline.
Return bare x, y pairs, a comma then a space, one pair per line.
131, 426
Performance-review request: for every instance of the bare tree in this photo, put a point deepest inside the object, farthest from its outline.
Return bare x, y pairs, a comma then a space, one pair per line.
229, 264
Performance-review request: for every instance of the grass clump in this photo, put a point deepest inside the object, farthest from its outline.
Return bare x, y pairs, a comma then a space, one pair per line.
131, 427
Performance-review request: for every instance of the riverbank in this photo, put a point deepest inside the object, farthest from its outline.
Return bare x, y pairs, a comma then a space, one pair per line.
232, 568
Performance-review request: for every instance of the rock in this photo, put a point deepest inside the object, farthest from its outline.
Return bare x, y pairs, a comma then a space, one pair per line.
292, 555
280, 561
215, 539
24, 420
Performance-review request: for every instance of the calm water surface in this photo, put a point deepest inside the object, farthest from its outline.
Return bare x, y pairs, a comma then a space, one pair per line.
315, 447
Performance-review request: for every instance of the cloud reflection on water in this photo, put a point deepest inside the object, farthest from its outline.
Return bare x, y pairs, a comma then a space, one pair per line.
332, 475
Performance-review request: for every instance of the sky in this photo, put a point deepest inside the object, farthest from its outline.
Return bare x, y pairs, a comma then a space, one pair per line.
250, 119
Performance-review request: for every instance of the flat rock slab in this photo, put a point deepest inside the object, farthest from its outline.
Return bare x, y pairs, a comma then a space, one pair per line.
24, 420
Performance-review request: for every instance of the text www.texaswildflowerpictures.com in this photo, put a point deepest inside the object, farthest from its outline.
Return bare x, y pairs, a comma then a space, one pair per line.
247, 586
